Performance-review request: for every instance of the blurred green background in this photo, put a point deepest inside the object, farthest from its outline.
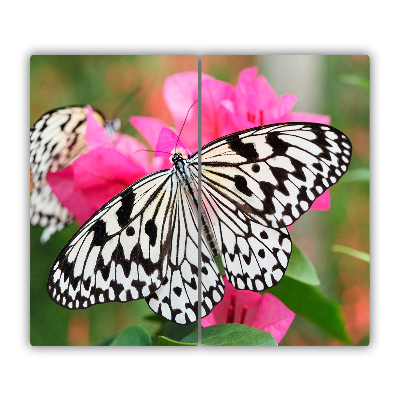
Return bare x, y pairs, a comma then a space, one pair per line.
333, 85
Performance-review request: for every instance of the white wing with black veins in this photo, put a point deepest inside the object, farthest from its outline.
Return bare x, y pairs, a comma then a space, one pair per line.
257, 182
56, 140
121, 252
144, 242
274, 173
177, 298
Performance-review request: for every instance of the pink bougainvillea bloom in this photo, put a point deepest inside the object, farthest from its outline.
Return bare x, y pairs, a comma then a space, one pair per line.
213, 113
180, 94
252, 103
255, 103
169, 143
225, 110
96, 176
262, 311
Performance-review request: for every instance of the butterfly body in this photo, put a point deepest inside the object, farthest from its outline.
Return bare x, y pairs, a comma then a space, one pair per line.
144, 243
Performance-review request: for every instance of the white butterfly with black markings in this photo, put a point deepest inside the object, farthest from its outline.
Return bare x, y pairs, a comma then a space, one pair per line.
143, 243
57, 139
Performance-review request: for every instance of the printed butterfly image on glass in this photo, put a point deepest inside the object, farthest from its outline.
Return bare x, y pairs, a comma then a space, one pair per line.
176, 222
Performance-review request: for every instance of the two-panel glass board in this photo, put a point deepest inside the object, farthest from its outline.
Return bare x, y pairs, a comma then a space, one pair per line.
178, 200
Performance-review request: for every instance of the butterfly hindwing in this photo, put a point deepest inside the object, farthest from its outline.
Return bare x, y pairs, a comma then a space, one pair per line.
177, 298
47, 212
255, 256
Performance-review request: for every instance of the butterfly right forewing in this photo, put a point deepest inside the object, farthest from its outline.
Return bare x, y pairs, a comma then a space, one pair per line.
119, 254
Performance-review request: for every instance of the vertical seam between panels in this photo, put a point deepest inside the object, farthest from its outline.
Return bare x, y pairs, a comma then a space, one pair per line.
199, 199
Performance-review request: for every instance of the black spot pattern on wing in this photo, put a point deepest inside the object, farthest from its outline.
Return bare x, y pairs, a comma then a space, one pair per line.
106, 262
288, 167
241, 185
100, 234
56, 140
125, 210
151, 231
269, 178
177, 298
246, 150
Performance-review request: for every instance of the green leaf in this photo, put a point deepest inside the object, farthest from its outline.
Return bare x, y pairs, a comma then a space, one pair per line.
355, 80
307, 301
132, 336
337, 248
232, 335
301, 268
107, 342
164, 341
178, 332
356, 175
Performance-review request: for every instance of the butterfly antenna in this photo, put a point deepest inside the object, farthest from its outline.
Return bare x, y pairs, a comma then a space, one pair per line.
152, 151
126, 100
177, 140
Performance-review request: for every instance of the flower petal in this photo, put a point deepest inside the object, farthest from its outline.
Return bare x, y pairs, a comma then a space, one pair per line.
180, 94
286, 103
242, 297
252, 95
307, 117
213, 113
167, 142
273, 316
322, 202
92, 180
233, 122
95, 135
132, 149
149, 128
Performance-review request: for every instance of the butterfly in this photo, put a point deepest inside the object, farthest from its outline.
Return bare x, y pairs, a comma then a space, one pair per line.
57, 139
145, 242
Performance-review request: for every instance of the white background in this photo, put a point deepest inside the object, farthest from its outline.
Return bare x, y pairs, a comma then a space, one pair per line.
205, 27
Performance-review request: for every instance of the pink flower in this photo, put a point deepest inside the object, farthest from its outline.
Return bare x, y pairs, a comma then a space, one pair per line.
101, 173
180, 95
110, 166
261, 311
255, 103
251, 103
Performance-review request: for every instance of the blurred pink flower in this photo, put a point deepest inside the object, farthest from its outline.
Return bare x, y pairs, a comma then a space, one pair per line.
101, 173
261, 311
